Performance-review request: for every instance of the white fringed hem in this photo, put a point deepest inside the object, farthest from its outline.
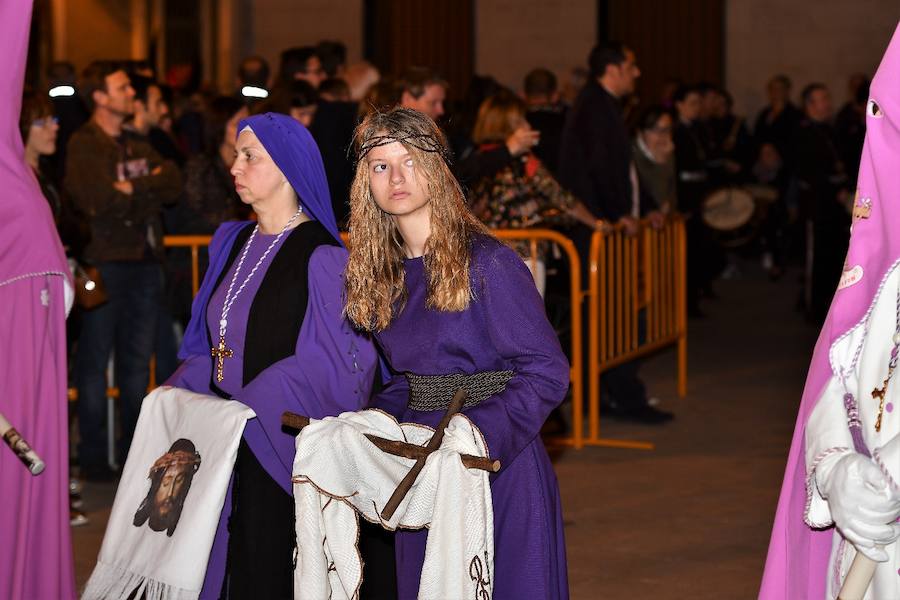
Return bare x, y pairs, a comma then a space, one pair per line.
109, 582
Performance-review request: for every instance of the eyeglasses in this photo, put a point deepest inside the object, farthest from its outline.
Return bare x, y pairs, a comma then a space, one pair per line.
45, 122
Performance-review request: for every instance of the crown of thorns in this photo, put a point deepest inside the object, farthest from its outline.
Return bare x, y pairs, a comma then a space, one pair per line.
425, 142
179, 458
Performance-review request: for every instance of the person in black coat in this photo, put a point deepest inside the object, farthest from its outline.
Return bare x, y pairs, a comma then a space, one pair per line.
693, 167
825, 196
332, 129
595, 164
777, 121
595, 151
546, 114
850, 125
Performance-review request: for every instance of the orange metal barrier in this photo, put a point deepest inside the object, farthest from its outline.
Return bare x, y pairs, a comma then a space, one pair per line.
194, 242
627, 275
635, 278
533, 237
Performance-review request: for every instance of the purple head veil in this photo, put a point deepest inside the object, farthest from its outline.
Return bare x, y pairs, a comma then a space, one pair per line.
295, 152
798, 555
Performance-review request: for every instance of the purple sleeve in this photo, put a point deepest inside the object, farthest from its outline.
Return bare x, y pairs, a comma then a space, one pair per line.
193, 374
331, 371
516, 325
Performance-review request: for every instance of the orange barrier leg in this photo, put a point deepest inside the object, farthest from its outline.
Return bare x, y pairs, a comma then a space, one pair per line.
598, 316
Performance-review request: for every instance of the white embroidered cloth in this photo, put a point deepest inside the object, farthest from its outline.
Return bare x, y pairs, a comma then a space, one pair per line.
169, 498
337, 472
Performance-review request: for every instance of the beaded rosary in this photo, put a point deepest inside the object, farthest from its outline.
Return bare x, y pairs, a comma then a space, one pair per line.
880, 394
221, 351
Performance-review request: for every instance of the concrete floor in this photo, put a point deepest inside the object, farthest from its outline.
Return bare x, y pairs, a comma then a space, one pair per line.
692, 518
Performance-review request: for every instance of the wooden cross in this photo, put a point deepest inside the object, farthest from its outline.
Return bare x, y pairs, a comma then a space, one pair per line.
407, 450
220, 353
879, 394
861, 209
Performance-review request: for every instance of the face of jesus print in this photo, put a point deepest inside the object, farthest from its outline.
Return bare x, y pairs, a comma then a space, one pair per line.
170, 481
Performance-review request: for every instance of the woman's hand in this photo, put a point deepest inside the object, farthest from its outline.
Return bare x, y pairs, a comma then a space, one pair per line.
126, 187
657, 219
522, 140
631, 225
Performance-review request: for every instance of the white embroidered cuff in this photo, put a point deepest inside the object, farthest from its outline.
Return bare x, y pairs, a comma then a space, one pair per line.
817, 514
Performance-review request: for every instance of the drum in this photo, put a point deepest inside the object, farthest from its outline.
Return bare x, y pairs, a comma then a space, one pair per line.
735, 214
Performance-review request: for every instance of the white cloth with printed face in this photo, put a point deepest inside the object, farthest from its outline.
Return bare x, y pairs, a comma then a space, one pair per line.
167, 507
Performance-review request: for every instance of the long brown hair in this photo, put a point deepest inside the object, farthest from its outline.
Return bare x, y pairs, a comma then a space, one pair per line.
376, 289
495, 117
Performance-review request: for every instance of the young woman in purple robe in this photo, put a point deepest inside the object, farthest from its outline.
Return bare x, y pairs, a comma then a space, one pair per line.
450, 303
267, 329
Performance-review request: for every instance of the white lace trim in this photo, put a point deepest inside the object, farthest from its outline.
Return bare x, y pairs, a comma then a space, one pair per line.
28, 275
811, 482
876, 456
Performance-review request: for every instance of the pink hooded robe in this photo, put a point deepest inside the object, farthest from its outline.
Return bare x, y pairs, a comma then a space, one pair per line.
797, 563
35, 544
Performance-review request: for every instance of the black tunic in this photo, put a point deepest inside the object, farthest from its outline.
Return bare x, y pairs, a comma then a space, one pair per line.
261, 541
261, 545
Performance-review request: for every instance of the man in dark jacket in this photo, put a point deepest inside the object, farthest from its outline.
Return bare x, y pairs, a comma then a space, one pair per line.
824, 192
595, 165
121, 184
776, 122
693, 166
595, 152
546, 114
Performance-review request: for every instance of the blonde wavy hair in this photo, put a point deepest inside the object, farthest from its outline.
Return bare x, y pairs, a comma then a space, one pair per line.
375, 284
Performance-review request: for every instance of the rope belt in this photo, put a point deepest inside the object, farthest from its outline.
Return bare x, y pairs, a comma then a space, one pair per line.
434, 392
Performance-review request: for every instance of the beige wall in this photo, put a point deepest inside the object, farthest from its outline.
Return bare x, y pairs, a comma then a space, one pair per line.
280, 24
763, 37
515, 36
86, 30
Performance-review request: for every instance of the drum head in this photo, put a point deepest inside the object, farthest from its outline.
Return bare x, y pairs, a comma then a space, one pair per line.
728, 209
761, 192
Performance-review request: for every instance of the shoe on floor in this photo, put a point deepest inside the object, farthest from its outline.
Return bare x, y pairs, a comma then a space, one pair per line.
75, 485
77, 518
75, 488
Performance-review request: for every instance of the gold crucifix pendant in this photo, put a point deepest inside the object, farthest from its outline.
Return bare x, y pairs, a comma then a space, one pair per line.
220, 353
880, 395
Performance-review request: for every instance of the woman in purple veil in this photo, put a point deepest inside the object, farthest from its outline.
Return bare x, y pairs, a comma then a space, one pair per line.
267, 329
